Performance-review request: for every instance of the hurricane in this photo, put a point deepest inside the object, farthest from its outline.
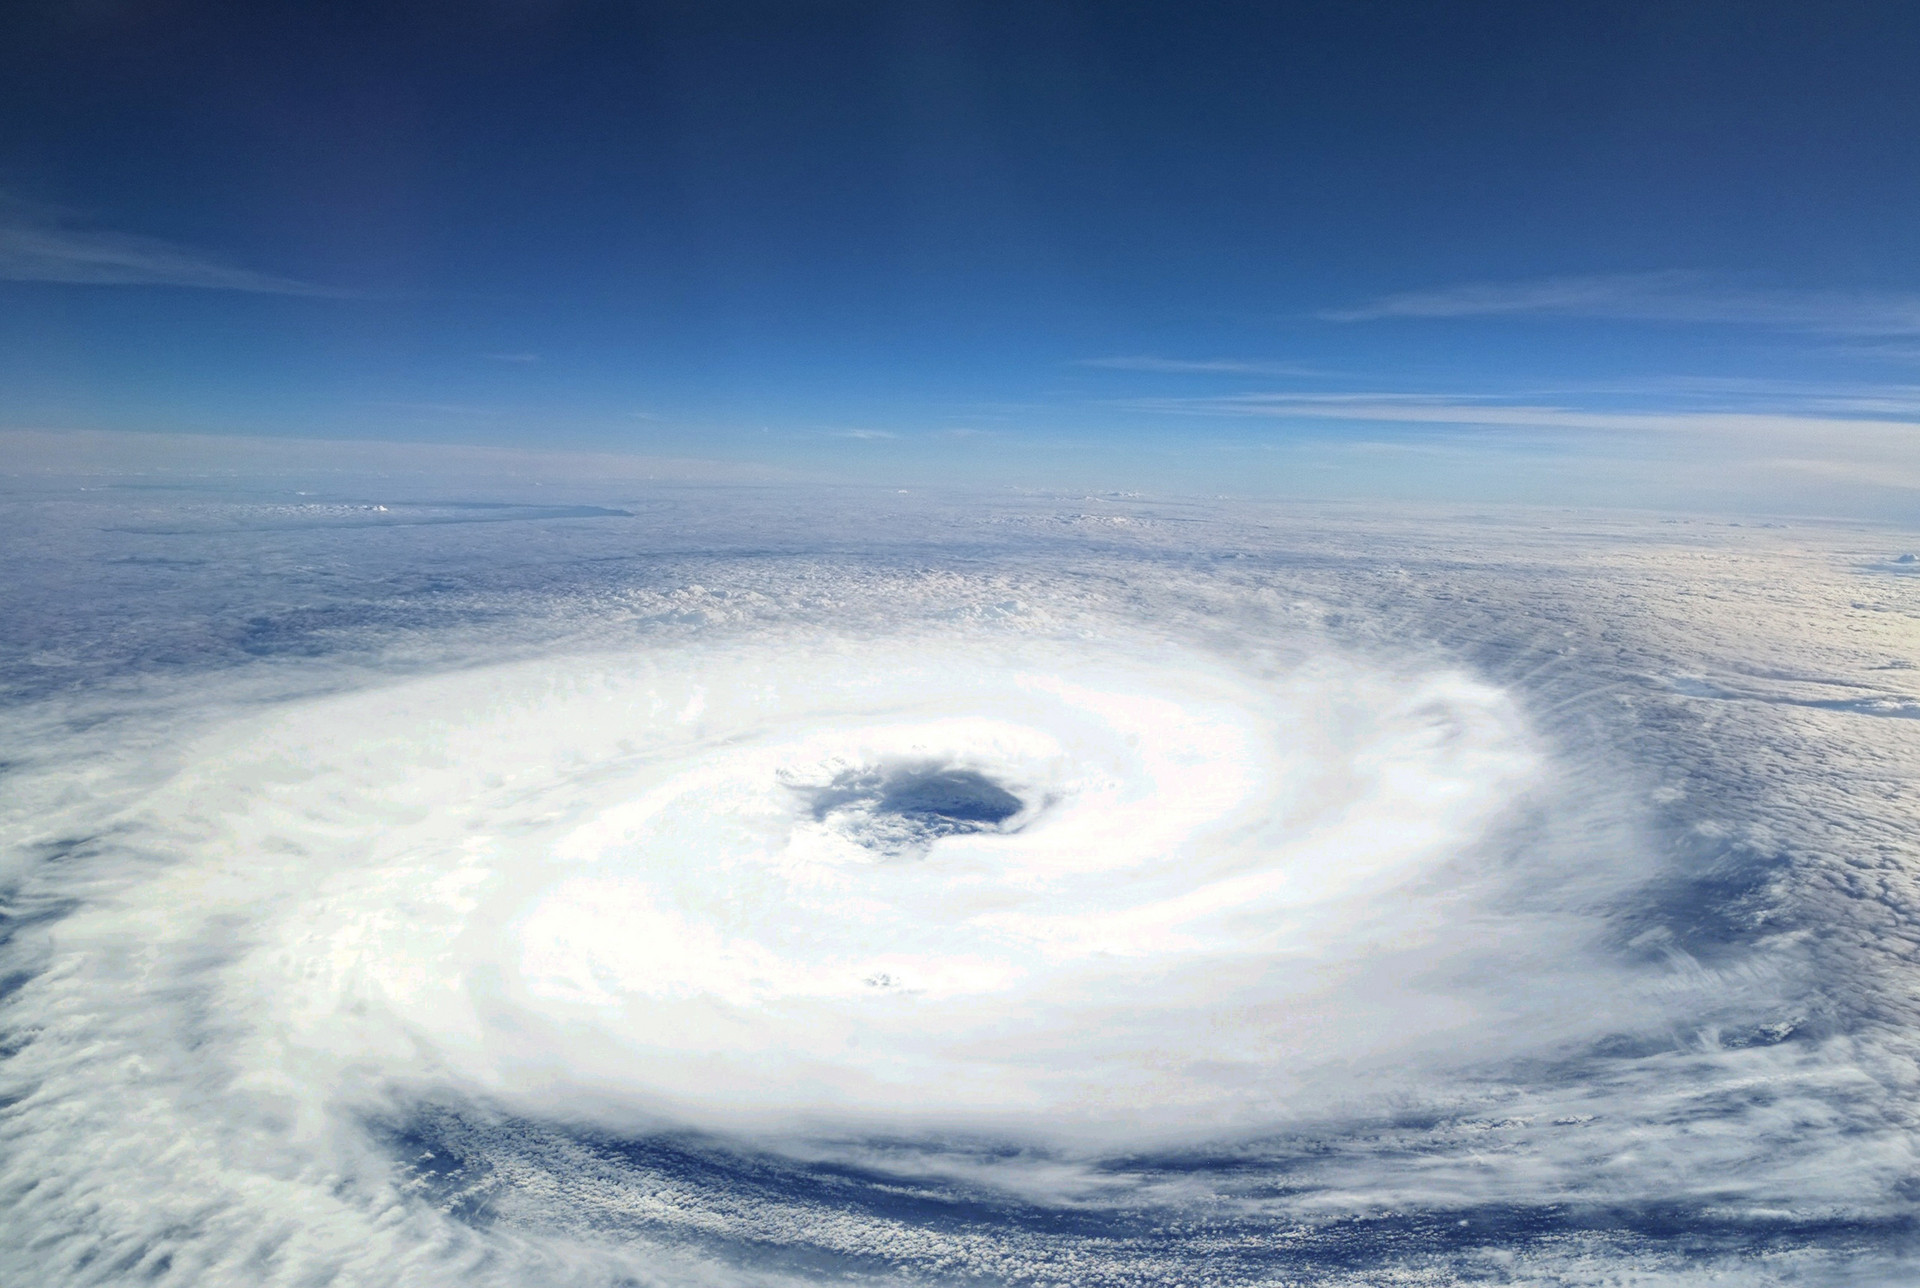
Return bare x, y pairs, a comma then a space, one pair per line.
1090, 890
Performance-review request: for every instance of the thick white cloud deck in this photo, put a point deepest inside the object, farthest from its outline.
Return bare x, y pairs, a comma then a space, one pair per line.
614, 876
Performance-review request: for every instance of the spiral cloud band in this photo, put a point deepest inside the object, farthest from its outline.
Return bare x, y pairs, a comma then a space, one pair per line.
874, 919
888, 886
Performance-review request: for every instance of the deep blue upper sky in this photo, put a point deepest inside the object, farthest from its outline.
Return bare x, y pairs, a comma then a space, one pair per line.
997, 240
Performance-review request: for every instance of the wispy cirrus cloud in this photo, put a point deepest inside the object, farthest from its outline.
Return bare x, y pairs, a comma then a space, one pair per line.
441, 408
1777, 447
1674, 296
39, 245
1762, 392
1902, 353
1893, 423
1202, 366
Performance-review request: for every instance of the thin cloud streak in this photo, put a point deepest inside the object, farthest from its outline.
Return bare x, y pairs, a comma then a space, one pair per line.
1211, 366
44, 251
1429, 409
1735, 393
1750, 393
1654, 297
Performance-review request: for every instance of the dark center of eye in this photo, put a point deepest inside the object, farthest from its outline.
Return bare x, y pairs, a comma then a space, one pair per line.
904, 808
957, 795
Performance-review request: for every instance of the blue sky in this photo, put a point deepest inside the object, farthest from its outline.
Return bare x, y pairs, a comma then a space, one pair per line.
1632, 253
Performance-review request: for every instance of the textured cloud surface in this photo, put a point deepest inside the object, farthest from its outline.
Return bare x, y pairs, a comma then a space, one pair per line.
749, 886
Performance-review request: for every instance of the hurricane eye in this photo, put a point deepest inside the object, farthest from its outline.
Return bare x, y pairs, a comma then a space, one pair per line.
903, 809
956, 796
